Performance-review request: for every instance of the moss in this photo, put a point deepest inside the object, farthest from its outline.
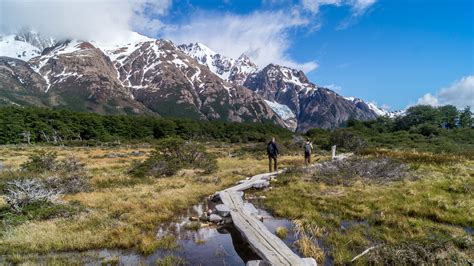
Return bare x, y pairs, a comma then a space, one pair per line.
281, 232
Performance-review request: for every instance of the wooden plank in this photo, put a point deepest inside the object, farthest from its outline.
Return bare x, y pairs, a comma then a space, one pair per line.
267, 245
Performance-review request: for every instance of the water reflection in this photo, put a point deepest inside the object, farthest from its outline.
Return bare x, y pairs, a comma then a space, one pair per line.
209, 245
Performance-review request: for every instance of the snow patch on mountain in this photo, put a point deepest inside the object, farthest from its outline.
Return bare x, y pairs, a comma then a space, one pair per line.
376, 109
218, 64
117, 51
282, 110
10, 46
228, 69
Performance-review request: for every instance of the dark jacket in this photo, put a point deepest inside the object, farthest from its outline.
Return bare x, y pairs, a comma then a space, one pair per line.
272, 149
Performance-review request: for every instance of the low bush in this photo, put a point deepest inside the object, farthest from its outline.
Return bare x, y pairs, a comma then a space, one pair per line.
378, 170
171, 155
42, 178
348, 140
39, 210
21, 193
71, 176
40, 162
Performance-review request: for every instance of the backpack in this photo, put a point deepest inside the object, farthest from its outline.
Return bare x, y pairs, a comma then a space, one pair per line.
271, 149
307, 148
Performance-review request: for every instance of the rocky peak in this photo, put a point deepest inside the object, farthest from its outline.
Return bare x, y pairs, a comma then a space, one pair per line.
311, 105
217, 63
242, 67
36, 39
229, 69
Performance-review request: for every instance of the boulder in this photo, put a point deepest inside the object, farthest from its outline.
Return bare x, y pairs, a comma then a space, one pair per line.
214, 218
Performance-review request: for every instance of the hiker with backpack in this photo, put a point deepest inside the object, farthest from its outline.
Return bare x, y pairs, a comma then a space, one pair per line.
272, 151
308, 148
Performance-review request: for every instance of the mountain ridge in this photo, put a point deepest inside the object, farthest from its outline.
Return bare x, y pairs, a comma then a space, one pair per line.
144, 75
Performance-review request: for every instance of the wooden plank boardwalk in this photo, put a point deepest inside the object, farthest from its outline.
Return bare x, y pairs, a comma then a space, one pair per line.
267, 245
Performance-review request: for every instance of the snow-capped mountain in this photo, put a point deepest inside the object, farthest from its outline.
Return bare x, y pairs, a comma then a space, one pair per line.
377, 110
140, 75
313, 106
229, 69
144, 75
24, 45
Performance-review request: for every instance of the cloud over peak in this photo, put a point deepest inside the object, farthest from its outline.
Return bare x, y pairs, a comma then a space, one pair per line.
85, 19
262, 35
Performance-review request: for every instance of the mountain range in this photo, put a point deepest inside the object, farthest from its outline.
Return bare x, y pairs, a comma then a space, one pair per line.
148, 76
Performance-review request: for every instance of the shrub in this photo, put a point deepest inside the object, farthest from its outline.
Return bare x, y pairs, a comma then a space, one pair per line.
344, 172
70, 177
40, 210
172, 154
348, 139
40, 162
65, 176
20, 193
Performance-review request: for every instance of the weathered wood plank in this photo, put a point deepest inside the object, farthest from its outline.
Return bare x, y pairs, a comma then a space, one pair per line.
267, 245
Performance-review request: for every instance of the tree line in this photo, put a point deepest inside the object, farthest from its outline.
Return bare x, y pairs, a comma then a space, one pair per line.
422, 127
42, 125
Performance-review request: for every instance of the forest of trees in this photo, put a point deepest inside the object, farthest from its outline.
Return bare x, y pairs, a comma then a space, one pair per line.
436, 129
423, 127
38, 125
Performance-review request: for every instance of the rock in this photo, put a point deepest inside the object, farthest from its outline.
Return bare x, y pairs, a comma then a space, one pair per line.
214, 218
222, 210
203, 217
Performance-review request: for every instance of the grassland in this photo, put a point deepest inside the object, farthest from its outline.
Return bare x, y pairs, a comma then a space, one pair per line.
120, 211
427, 218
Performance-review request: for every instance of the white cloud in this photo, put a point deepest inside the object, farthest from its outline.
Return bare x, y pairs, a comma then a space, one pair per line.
85, 19
313, 5
263, 36
358, 6
459, 94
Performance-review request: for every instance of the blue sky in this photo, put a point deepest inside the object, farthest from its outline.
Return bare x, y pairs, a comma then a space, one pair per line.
394, 52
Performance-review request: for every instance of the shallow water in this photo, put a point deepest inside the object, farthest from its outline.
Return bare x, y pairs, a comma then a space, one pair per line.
210, 245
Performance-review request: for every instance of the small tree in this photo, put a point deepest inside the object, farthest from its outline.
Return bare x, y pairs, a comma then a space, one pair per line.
465, 118
449, 115
171, 155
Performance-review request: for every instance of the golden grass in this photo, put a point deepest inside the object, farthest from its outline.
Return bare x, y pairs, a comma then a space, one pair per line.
121, 212
431, 209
